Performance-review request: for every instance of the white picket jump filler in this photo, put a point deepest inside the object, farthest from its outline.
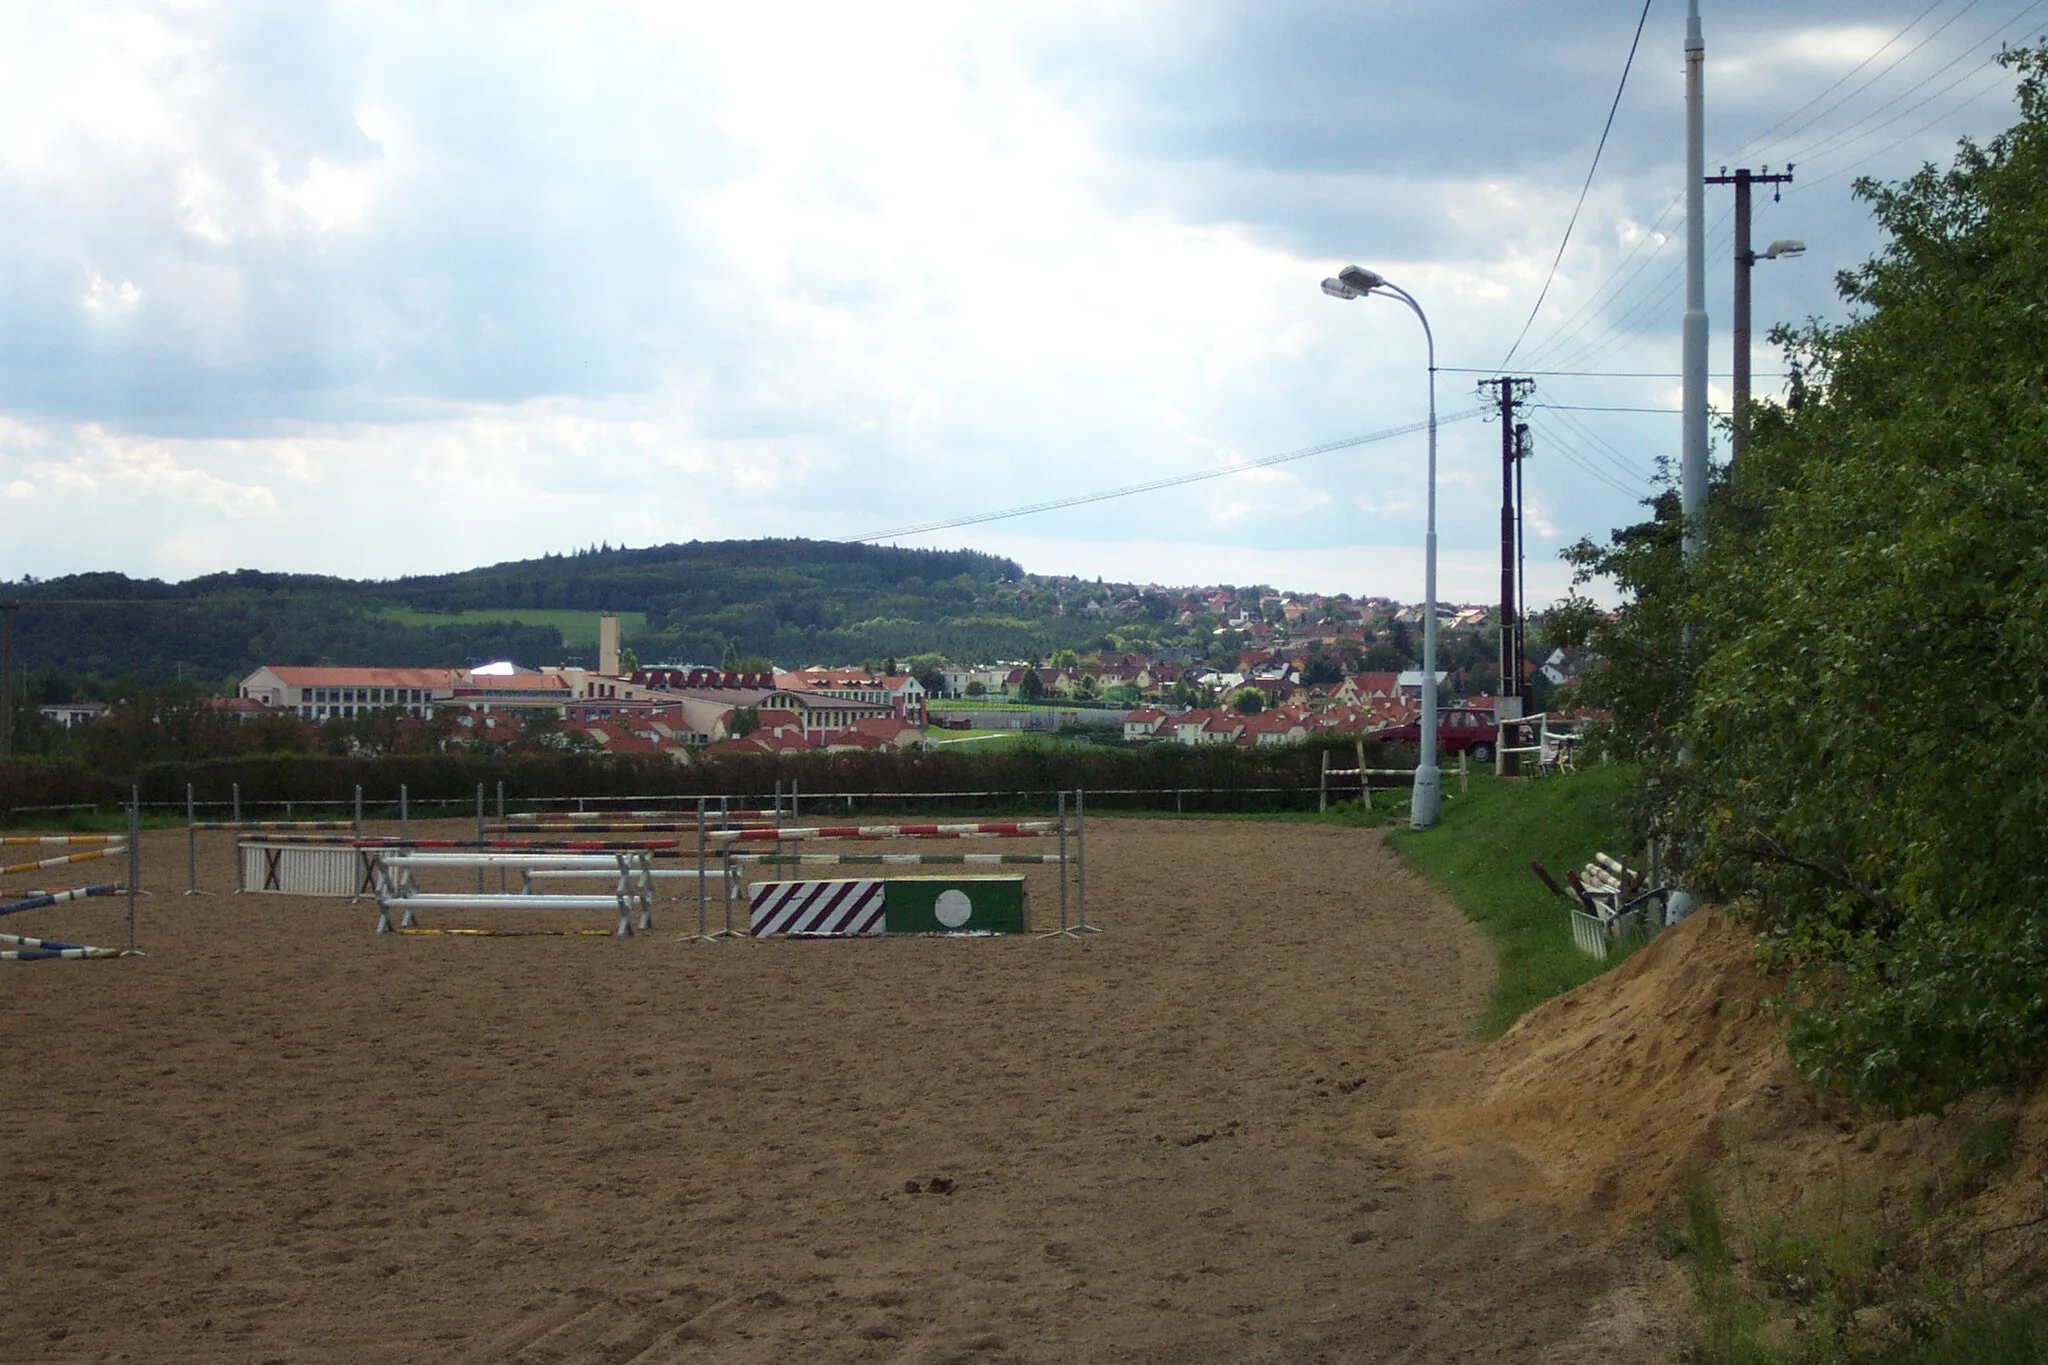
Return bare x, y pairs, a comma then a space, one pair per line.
396, 884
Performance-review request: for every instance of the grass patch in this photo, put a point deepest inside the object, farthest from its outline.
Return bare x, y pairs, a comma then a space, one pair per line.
578, 629
1834, 1278
1479, 854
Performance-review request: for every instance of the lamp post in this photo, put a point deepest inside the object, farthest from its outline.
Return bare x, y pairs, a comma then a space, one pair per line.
1352, 283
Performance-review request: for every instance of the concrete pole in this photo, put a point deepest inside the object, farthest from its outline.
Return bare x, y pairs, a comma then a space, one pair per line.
1692, 475
1427, 798
1692, 466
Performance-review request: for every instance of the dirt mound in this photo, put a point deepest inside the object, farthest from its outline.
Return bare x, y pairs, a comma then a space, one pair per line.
1599, 1098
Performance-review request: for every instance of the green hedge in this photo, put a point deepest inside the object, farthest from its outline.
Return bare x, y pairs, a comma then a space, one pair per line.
1171, 776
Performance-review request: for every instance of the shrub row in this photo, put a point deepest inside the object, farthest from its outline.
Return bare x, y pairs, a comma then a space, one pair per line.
1162, 775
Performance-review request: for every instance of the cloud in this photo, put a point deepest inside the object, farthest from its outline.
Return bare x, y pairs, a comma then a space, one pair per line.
383, 289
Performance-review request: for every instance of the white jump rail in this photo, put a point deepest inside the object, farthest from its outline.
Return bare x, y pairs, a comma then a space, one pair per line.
659, 874
397, 885
1552, 747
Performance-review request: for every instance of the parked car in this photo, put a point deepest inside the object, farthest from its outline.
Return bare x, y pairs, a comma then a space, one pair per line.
1459, 730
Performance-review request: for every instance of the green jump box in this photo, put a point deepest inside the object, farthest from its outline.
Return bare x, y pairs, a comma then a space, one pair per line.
955, 905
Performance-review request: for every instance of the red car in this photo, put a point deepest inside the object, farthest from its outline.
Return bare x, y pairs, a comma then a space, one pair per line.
1459, 730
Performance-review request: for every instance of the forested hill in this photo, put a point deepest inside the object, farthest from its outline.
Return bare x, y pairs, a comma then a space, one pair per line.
793, 601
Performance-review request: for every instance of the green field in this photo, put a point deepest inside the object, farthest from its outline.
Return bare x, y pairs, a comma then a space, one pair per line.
578, 628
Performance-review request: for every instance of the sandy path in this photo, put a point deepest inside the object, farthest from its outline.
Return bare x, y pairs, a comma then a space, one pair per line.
279, 1138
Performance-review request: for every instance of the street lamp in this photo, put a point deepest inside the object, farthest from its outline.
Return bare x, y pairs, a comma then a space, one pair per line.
1353, 283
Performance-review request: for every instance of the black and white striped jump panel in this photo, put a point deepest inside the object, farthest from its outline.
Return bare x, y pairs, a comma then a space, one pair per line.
837, 909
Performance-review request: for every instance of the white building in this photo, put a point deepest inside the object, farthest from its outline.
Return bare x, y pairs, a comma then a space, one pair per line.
327, 693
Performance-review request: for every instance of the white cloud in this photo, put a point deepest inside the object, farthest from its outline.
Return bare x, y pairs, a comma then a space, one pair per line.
647, 272
103, 295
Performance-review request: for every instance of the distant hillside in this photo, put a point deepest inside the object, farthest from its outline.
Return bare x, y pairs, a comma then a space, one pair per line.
794, 601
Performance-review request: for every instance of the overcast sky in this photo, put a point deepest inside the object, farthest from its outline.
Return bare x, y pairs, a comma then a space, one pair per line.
375, 289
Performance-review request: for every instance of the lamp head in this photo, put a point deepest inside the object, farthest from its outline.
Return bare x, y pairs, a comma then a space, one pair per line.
1784, 247
1337, 289
1364, 281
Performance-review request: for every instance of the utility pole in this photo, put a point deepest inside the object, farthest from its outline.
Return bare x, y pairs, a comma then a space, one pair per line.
1692, 459
1692, 467
1744, 259
1508, 392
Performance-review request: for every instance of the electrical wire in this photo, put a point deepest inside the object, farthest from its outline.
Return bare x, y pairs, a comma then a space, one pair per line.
1598, 407
1586, 188
1599, 444
1571, 453
1171, 481
1619, 282
1841, 80
1593, 374
1858, 131
1942, 117
1653, 233
1887, 70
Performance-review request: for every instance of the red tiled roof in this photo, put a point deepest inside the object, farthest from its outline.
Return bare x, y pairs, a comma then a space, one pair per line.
294, 676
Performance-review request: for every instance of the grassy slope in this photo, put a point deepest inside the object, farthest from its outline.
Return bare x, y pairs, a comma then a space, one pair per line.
1479, 853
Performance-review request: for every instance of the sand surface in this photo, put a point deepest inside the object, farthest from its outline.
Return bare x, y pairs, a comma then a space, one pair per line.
280, 1138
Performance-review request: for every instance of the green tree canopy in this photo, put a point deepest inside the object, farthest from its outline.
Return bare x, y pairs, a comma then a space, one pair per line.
1858, 661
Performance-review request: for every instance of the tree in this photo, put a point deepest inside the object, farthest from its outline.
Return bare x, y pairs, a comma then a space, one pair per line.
975, 688
1031, 687
1857, 664
1063, 658
1249, 701
1320, 670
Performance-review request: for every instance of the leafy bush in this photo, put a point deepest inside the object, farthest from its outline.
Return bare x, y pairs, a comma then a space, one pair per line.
1857, 665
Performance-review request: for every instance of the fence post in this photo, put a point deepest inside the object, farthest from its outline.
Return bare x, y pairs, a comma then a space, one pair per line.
479, 836
1063, 860
404, 830
503, 872
191, 845
1080, 864
134, 855
1464, 770
357, 828
1323, 785
1364, 778
703, 896
238, 803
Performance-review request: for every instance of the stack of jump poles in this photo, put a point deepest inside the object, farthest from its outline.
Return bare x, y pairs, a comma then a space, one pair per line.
21, 947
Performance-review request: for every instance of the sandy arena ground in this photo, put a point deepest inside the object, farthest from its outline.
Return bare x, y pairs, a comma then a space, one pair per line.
280, 1138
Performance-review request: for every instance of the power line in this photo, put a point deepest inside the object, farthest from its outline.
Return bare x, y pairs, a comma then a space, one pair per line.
1758, 140
1590, 470
1586, 188
1600, 446
1652, 233
1589, 374
1620, 281
1171, 481
1595, 407
1857, 131
1943, 116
